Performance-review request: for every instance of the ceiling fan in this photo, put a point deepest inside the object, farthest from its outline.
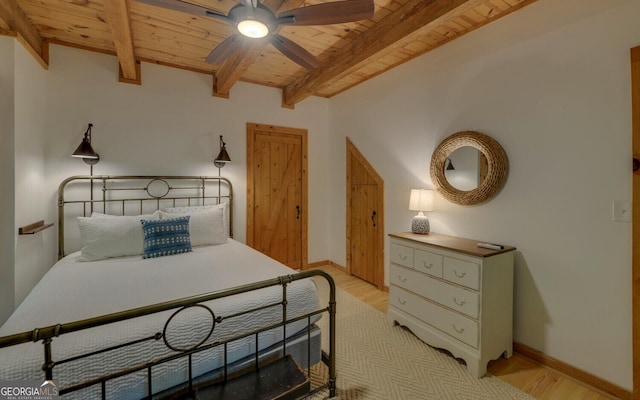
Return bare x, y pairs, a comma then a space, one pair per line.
252, 19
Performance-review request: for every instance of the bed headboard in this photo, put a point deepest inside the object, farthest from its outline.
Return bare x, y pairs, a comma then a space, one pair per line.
130, 195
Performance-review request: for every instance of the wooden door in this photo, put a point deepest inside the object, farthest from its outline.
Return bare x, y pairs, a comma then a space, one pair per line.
365, 222
635, 216
277, 193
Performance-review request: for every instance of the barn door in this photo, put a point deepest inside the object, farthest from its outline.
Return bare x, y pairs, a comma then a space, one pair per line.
277, 193
365, 228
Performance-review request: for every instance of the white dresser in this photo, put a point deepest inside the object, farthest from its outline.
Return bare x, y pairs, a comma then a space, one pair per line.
453, 295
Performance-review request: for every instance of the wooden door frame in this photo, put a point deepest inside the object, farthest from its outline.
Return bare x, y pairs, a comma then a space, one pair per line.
635, 237
302, 133
353, 150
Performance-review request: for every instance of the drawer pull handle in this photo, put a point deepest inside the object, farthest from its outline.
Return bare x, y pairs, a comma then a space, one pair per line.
427, 266
461, 330
403, 302
403, 280
401, 257
459, 275
460, 303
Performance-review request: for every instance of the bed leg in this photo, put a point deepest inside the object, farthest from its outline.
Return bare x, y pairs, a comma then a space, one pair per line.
48, 363
332, 340
332, 388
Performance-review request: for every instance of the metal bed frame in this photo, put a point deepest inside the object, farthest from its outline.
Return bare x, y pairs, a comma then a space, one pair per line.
47, 335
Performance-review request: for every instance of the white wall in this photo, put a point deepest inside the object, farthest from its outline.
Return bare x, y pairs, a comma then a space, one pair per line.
552, 84
171, 125
34, 254
7, 218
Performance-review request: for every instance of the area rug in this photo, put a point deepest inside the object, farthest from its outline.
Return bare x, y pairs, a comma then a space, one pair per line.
376, 360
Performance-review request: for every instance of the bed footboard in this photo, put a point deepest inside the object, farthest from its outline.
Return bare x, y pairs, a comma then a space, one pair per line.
185, 354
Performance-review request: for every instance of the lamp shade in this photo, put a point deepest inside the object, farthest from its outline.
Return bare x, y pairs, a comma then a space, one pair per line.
421, 200
85, 150
223, 156
450, 166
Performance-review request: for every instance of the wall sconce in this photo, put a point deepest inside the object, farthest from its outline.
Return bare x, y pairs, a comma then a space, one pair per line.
88, 155
85, 150
421, 200
223, 157
449, 165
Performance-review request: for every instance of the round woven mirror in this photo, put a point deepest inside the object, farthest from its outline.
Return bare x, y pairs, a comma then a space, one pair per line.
491, 176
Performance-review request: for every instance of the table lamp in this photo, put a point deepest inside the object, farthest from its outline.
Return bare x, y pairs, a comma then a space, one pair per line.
421, 200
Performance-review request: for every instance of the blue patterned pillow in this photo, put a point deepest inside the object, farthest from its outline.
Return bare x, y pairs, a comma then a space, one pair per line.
166, 237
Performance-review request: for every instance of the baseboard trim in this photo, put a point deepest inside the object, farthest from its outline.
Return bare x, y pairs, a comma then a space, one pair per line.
318, 264
572, 372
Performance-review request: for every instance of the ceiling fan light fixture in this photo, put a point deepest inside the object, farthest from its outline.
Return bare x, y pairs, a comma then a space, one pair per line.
253, 28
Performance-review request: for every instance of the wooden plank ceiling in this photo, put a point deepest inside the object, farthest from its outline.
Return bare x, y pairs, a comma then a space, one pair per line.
349, 53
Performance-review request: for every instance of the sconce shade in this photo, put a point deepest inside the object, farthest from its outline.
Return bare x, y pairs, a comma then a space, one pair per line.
223, 156
450, 166
85, 150
421, 200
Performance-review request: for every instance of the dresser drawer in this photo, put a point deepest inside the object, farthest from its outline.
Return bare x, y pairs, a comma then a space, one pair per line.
427, 262
456, 298
449, 322
402, 255
463, 273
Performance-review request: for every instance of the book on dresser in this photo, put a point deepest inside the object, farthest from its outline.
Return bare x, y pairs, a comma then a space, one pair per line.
453, 295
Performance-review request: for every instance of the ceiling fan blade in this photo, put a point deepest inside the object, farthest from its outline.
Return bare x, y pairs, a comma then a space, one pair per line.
336, 12
224, 49
294, 51
189, 8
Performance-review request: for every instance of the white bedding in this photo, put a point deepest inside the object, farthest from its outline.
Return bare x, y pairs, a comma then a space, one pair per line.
87, 289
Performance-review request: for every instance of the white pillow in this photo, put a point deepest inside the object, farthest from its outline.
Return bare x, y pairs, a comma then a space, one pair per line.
107, 236
193, 209
205, 226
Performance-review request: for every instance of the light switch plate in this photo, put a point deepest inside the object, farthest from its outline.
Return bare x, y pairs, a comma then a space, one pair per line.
622, 211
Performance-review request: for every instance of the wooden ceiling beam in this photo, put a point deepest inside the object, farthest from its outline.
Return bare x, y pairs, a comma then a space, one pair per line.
117, 15
237, 64
411, 16
26, 32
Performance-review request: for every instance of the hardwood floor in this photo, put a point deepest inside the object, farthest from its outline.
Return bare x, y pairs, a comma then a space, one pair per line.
539, 381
